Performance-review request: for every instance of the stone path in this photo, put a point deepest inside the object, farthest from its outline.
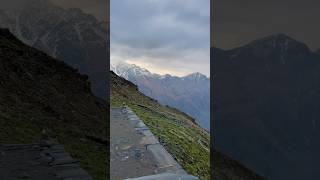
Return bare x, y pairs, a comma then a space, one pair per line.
137, 153
38, 162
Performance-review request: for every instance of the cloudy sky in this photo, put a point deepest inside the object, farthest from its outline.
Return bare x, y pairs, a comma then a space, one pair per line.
98, 8
238, 22
164, 36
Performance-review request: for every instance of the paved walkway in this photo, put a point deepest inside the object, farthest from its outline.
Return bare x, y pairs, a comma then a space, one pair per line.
38, 162
137, 153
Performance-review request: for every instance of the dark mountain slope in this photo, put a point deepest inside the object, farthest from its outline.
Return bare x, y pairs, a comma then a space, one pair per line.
70, 35
318, 52
266, 98
40, 93
226, 168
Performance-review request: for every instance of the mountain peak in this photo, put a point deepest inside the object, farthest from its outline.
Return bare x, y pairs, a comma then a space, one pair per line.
125, 70
166, 76
279, 40
134, 66
280, 36
196, 75
273, 44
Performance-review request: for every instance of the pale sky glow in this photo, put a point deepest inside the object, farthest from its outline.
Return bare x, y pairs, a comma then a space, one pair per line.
165, 37
156, 69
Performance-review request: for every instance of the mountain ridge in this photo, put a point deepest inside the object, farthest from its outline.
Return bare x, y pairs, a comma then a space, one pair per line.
169, 124
114, 69
190, 93
71, 35
273, 40
265, 100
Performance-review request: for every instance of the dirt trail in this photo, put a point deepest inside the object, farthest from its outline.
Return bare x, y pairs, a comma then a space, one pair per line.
136, 152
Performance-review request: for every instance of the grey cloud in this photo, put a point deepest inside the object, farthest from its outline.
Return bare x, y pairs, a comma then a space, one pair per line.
238, 22
12, 4
98, 8
165, 31
152, 25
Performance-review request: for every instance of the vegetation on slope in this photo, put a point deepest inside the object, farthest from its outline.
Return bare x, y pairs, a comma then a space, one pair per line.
186, 141
40, 93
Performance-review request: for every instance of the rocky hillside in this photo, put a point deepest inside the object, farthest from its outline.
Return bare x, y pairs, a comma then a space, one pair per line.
186, 141
70, 35
190, 94
266, 106
39, 94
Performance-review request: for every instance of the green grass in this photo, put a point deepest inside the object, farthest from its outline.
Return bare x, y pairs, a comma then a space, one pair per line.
25, 125
188, 144
40, 93
92, 155
182, 142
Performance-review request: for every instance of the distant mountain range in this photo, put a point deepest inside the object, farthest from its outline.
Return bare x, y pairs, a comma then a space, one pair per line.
71, 35
266, 101
190, 94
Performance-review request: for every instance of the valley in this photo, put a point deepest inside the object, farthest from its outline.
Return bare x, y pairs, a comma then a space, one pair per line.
175, 130
190, 94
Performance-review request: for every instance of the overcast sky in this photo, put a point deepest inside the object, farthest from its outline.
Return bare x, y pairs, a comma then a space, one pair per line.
164, 36
237, 22
98, 8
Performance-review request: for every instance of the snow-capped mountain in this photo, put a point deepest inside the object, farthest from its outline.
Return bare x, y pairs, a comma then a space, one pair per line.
190, 94
126, 70
69, 35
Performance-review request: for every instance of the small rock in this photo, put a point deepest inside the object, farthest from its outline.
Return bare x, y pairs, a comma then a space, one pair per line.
137, 153
125, 147
125, 158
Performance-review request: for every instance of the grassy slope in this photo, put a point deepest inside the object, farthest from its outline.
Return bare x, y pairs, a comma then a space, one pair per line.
186, 141
38, 92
